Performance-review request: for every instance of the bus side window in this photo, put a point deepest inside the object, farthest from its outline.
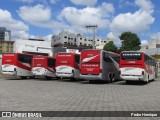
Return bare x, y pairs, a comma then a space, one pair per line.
117, 59
51, 62
29, 59
106, 58
77, 59
20, 58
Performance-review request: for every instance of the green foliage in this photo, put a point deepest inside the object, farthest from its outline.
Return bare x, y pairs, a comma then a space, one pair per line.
110, 46
130, 41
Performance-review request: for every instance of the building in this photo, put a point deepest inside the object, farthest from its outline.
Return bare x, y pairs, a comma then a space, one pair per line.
6, 46
5, 34
76, 40
153, 48
63, 38
33, 46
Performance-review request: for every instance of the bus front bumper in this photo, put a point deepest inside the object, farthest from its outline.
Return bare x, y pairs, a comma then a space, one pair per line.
9, 73
64, 75
132, 77
35, 73
91, 77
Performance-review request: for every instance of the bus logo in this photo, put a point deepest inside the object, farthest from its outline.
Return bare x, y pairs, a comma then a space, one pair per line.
6, 114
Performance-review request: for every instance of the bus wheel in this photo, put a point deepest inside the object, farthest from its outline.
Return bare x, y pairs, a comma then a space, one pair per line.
147, 80
23, 77
47, 78
72, 79
110, 77
57, 78
113, 77
127, 81
91, 81
32, 77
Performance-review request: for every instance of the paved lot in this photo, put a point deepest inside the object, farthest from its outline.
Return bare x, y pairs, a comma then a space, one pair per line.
66, 95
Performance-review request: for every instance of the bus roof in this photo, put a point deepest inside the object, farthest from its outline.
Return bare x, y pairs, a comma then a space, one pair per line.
66, 53
41, 56
100, 50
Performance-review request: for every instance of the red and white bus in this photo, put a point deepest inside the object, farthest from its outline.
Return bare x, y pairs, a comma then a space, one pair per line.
99, 65
137, 66
67, 65
44, 66
17, 64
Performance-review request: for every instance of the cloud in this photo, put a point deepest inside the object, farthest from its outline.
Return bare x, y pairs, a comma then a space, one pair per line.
48, 37
38, 14
144, 42
84, 2
53, 1
78, 18
137, 22
26, 1
155, 36
110, 35
18, 28
115, 37
145, 5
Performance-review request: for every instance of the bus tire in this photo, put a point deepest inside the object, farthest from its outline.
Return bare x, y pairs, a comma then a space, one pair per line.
91, 81
72, 79
47, 78
127, 81
110, 77
147, 80
57, 78
32, 77
73, 73
113, 77
23, 77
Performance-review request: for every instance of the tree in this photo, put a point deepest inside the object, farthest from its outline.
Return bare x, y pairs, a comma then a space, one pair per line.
110, 46
130, 41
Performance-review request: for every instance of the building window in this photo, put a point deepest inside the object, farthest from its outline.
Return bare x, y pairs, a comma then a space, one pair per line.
75, 40
85, 40
97, 39
104, 41
80, 38
65, 36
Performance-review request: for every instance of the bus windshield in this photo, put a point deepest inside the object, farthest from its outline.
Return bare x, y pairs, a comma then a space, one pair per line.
131, 56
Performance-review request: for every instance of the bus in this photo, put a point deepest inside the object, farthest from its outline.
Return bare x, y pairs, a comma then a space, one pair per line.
99, 65
137, 66
17, 64
44, 66
67, 65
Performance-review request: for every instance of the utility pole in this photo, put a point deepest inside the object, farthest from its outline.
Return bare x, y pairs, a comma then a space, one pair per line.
157, 43
93, 27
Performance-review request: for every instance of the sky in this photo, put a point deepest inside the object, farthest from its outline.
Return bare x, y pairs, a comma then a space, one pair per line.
32, 18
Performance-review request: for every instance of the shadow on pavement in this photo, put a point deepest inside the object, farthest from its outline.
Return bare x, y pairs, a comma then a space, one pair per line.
137, 83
